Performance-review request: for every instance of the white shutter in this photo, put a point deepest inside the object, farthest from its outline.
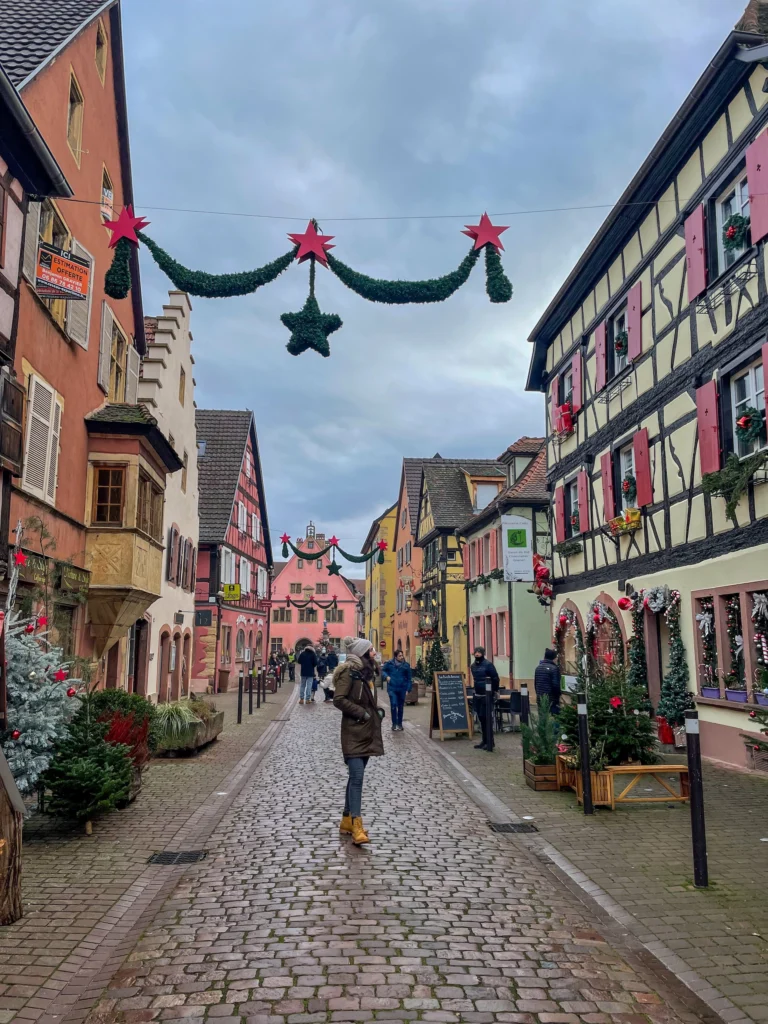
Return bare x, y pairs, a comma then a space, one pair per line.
133, 363
39, 409
105, 346
258, 528
241, 517
254, 527
31, 240
79, 310
53, 460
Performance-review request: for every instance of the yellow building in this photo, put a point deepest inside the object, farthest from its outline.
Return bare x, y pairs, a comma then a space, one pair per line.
653, 359
380, 584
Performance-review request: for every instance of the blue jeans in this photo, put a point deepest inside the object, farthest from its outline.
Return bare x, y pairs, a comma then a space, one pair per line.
353, 799
397, 703
305, 690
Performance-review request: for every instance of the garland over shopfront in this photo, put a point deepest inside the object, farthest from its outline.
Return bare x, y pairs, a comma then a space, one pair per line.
309, 327
334, 569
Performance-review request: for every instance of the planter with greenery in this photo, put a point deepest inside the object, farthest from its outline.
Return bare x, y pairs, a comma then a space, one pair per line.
187, 724
540, 748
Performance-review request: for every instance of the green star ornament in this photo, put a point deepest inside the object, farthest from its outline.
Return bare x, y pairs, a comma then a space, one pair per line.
334, 569
310, 328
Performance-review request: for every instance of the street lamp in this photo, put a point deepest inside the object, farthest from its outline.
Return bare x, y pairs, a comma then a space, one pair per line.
442, 562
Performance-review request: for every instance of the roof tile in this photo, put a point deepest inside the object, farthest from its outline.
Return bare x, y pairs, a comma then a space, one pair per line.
32, 30
225, 433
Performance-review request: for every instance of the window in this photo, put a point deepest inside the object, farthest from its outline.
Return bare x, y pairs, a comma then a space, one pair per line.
300, 563
248, 464
108, 487
184, 469
617, 361
107, 196
227, 566
734, 201
408, 550
172, 441
101, 51
240, 645
64, 629
318, 564
255, 527
626, 468
41, 451
501, 633
321, 588
486, 553
150, 510
54, 232
118, 359
182, 385
335, 615
295, 588
75, 119
241, 517
262, 582
226, 644
566, 387
403, 518
572, 509
200, 449
484, 495
307, 614
245, 576
748, 392
275, 645
281, 614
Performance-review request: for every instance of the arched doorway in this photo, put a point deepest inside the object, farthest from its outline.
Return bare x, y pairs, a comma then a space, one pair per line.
164, 661
301, 644
186, 664
408, 649
259, 648
175, 667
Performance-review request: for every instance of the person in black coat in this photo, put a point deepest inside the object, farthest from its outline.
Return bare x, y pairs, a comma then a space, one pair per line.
546, 680
486, 683
307, 664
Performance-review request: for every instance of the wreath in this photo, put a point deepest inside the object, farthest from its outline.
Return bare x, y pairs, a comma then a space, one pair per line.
575, 520
749, 425
735, 232
629, 488
621, 343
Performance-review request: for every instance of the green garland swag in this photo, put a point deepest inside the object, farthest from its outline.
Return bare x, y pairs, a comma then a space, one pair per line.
568, 547
732, 481
735, 232
497, 285
403, 292
311, 600
311, 556
314, 555
117, 280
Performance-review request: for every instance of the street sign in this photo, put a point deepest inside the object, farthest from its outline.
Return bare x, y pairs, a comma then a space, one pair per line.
231, 591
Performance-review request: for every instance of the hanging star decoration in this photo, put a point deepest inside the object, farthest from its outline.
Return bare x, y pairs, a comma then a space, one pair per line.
60, 675
20, 559
334, 569
485, 233
125, 226
310, 328
312, 243
382, 545
334, 542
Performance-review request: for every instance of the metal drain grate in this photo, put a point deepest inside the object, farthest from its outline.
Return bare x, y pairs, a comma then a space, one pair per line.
182, 857
512, 826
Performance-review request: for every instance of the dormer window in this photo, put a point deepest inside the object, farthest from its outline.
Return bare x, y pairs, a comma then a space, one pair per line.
484, 495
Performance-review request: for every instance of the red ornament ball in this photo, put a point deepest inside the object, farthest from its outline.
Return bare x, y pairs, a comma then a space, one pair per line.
752, 714
29, 628
71, 691
563, 619
755, 747
596, 617
625, 603
731, 232
15, 734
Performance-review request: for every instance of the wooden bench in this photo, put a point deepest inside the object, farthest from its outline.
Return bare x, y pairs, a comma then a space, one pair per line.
603, 789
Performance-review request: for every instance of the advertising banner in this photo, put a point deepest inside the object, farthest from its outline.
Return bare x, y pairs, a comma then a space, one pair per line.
517, 545
60, 275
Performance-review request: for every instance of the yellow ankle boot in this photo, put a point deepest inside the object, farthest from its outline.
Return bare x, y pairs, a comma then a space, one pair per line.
346, 824
359, 835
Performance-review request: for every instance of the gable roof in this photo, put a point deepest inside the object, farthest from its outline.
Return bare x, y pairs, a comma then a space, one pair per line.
447, 485
524, 446
530, 489
34, 31
225, 432
374, 526
412, 470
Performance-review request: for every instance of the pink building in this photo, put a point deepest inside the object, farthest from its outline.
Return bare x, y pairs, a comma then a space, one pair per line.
300, 578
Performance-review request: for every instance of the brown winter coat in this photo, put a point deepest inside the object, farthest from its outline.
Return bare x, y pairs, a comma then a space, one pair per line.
354, 696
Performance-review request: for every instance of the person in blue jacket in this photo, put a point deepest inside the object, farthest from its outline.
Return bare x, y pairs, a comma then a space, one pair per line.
397, 672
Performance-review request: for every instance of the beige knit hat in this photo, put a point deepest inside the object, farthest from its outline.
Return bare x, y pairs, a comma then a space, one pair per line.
356, 646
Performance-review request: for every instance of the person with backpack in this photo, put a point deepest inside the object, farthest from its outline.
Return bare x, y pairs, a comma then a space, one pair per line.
546, 680
307, 664
397, 674
355, 697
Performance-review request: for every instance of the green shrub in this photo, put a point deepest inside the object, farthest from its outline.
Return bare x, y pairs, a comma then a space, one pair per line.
174, 721
540, 737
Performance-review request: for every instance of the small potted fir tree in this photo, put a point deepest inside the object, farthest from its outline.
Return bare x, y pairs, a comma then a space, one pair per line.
540, 748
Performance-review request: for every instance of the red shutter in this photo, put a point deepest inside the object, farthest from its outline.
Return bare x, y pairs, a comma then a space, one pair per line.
635, 322
193, 576
757, 183
472, 635
696, 253
492, 548
174, 555
642, 468
582, 484
465, 559
554, 400
765, 378
559, 515
606, 472
495, 633
576, 375
709, 427
601, 356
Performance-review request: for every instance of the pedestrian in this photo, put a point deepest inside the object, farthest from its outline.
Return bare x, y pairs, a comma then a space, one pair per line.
327, 684
272, 663
307, 663
292, 667
486, 682
397, 675
332, 659
355, 697
546, 680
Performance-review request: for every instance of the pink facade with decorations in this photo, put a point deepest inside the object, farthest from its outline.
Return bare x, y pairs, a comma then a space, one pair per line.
297, 580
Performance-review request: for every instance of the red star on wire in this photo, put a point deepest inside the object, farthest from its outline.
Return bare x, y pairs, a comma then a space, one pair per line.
285, 538
382, 545
333, 597
334, 541
125, 226
485, 232
312, 244
20, 558
61, 675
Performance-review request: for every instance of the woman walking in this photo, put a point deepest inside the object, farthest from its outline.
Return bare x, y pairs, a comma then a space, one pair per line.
355, 697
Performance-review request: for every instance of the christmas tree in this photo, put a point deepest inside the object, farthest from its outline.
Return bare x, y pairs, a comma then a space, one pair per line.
760, 717
676, 698
540, 737
435, 660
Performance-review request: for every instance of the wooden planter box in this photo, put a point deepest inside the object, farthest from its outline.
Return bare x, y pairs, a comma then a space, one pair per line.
541, 777
603, 795
197, 736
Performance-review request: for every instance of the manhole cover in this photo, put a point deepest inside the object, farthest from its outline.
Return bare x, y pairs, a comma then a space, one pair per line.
181, 857
512, 826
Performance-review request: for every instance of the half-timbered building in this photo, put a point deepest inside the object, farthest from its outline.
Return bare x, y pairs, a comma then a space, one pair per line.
653, 357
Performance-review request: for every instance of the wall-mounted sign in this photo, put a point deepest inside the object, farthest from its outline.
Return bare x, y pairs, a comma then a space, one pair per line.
35, 570
60, 275
204, 617
518, 549
231, 591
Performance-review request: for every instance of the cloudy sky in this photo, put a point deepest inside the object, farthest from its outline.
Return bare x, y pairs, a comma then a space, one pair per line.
394, 122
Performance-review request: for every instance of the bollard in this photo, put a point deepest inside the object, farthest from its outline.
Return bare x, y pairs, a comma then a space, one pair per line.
250, 692
258, 689
489, 715
525, 705
263, 686
696, 787
586, 774
240, 697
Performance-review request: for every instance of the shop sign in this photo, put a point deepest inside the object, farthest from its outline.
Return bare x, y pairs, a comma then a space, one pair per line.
34, 571
231, 591
60, 275
74, 580
518, 549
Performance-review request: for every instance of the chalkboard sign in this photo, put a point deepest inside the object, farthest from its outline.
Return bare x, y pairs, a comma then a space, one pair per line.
450, 711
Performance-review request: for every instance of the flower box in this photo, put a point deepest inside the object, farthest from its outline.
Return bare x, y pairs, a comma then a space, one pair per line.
540, 777
198, 735
628, 522
762, 698
737, 696
713, 692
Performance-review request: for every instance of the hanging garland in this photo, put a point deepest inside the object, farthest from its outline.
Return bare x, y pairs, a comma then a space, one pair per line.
309, 327
637, 674
311, 600
760, 619
749, 426
734, 680
676, 698
732, 481
735, 232
705, 620
334, 569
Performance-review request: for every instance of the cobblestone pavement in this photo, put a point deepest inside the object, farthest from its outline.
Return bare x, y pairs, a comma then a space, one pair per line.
80, 892
439, 920
640, 857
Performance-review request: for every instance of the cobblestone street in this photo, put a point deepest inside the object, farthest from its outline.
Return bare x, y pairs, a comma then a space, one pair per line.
439, 920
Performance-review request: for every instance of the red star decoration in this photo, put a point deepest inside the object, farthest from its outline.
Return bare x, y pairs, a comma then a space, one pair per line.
125, 226
485, 232
61, 675
20, 558
334, 541
284, 539
382, 545
42, 621
312, 244
333, 597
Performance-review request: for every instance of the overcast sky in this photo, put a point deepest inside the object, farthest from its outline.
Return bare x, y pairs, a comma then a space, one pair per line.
389, 109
